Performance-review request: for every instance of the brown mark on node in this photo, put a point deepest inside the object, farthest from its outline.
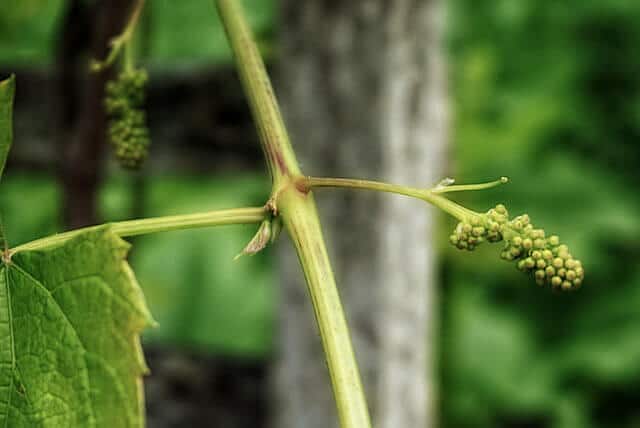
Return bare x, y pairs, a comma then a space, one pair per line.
281, 164
301, 186
277, 159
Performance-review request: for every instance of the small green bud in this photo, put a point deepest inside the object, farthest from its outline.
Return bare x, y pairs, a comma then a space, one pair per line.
527, 243
506, 255
494, 237
556, 281
539, 277
478, 231
522, 265
539, 243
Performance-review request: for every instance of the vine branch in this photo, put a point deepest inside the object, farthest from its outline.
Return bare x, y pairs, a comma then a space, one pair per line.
157, 224
431, 196
273, 134
122, 41
300, 218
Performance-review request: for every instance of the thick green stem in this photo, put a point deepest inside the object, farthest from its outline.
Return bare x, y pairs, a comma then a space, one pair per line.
297, 208
158, 224
301, 221
266, 113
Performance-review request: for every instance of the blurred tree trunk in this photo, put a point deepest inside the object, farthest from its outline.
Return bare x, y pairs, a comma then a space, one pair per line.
81, 114
364, 92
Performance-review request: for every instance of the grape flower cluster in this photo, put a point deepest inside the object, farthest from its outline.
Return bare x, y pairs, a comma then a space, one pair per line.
128, 132
533, 252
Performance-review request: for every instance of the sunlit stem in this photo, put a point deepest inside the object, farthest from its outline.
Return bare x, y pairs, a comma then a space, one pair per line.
158, 224
121, 41
428, 195
464, 187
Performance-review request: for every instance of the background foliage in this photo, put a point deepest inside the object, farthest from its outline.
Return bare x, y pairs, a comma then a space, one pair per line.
545, 92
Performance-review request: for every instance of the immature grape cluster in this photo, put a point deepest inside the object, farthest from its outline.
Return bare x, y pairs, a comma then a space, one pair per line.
128, 130
545, 257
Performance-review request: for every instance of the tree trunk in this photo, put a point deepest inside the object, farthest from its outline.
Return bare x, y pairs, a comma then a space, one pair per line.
364, 93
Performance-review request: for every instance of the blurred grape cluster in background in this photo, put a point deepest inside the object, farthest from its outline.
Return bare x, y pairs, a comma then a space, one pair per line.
544, 92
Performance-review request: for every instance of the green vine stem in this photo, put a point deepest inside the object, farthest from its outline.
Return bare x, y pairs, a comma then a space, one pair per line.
280, 157
158, 224
431, 196
298, 211
122, 41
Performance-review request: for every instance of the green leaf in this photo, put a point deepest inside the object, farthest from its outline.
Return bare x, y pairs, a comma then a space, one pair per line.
70, 318
7, 90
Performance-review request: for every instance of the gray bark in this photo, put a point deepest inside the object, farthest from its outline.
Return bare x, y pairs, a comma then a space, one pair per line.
364, 93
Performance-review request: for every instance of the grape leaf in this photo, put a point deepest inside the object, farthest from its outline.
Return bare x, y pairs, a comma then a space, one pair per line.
7, 90
70, 318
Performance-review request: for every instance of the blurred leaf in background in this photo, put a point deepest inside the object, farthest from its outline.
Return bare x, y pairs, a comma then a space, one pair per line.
27, 29
547, 93
202, 40
183, 34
